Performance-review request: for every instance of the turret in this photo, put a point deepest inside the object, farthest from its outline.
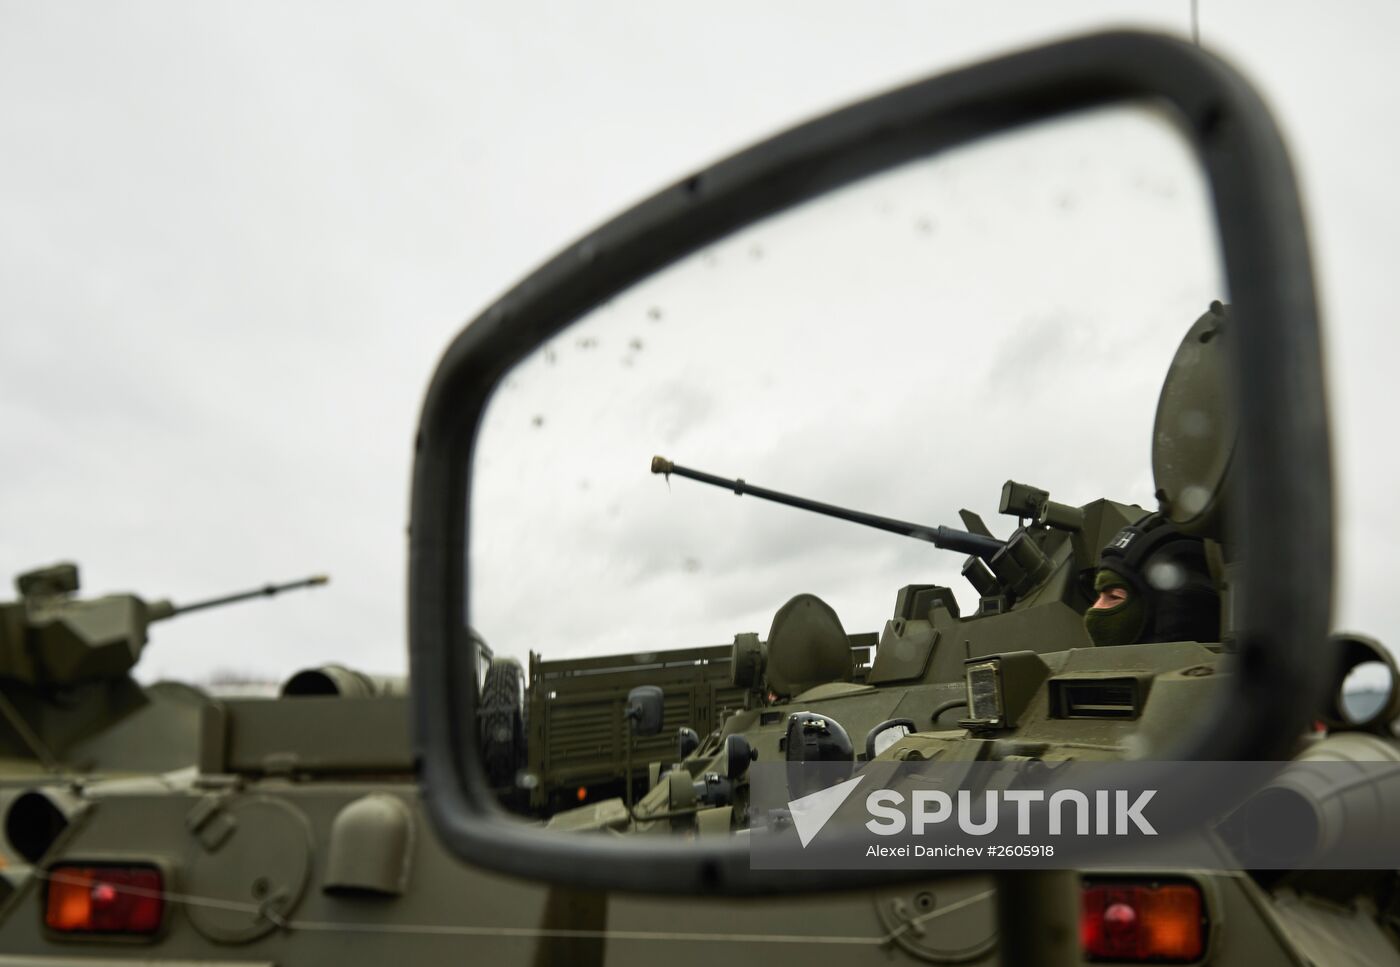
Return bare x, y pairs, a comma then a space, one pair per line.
1052, 539
50, 637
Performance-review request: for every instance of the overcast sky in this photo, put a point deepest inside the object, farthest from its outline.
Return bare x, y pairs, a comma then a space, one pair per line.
234, 239
903, 346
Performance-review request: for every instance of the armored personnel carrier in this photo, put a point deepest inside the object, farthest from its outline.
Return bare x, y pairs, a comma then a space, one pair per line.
1031, 589
1032, 592
69, 708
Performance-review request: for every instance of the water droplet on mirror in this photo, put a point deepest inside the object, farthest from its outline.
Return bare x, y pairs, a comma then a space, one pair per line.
1194, 499
1165, 576
1195, 423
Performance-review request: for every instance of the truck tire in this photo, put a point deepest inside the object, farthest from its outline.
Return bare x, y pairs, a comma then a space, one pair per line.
503, 722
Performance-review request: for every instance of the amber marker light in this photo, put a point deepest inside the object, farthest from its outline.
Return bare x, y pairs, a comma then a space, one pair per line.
105, 899
1142, 922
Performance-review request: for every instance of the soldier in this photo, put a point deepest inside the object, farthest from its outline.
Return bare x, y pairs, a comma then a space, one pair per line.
1153, 584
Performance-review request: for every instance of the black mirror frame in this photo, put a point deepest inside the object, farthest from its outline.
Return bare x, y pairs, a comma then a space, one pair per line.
1353, 650
1282, 506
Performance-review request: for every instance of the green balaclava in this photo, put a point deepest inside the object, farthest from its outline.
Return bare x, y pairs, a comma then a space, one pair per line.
1121, 624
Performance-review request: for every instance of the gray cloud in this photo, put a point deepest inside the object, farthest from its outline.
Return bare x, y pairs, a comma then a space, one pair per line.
236, 240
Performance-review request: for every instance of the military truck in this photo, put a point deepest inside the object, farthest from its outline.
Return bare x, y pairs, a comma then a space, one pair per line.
574, 753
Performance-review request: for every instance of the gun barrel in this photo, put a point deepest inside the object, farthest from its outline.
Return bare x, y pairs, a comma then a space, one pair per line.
265, 591
947, 538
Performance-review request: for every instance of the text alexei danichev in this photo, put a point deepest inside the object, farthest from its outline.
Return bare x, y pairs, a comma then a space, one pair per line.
925, 851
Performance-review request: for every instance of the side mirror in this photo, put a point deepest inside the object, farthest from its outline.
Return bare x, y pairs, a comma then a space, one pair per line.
646, 706
1364, 694
737, 756
687, 741
1279, 507
818, 752
886, 734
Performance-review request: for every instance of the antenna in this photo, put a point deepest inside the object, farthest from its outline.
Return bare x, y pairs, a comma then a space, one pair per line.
1196, 22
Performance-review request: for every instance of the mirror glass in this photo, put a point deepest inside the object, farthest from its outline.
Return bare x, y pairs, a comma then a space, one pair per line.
903, 346
888, 737
1366, 691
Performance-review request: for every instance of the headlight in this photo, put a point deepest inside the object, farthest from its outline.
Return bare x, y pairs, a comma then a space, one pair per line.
984, 701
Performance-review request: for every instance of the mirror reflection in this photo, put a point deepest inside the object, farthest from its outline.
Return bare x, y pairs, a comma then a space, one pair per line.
1366, 691
889, 737
975, 342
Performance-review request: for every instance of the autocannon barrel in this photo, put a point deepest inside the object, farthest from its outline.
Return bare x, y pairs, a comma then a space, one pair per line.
267, 590
947, 538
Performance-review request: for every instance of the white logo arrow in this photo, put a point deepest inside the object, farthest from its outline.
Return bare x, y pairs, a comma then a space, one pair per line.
810, 813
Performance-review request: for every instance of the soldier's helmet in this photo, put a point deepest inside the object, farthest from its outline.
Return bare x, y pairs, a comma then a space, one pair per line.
1172, 594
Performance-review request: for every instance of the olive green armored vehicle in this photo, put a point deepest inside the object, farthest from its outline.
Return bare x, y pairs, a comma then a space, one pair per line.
68, 701
1030, 588
1032, 591
70, 708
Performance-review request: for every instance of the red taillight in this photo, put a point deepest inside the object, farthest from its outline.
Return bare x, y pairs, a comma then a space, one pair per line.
105, 899
1159, 922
